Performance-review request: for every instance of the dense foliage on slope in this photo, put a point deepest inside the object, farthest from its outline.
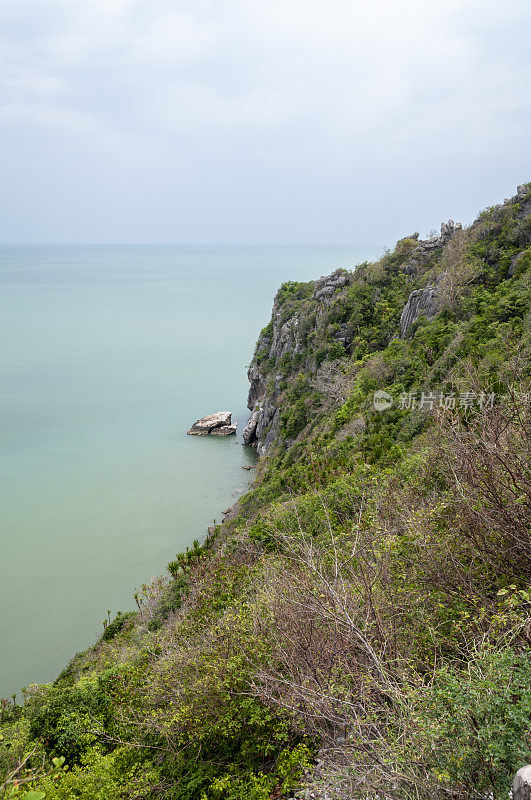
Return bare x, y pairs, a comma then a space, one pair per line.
361, 624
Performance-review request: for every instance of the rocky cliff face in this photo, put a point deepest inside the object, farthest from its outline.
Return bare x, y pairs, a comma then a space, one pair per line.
323, 327
296, 326
421, 302
285, 339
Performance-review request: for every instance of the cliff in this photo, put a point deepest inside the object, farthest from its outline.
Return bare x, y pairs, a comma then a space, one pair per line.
326, 329
360, 627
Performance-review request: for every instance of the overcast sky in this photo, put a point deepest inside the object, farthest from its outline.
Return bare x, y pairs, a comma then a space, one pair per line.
259, 121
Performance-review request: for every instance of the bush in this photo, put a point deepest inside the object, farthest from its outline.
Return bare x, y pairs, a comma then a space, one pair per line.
117, 625
471, 727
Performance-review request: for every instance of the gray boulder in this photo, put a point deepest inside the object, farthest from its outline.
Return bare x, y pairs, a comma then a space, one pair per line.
211, 423
522, 784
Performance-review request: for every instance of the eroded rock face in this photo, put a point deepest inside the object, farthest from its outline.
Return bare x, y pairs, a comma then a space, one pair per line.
225, 430
286, 336
328, 285
249, 432
256, 390
213, 423
267, 426
421, 302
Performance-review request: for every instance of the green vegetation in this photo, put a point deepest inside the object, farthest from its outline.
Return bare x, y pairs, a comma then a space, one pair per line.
368, 608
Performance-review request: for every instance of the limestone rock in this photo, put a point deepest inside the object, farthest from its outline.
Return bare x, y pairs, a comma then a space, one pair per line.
285, 337
522, 192
271, 435
210, 423
328, 285
249, 432
426, 249
522, 784
268, 425
421, 302
256, 391
448, 229
225, 430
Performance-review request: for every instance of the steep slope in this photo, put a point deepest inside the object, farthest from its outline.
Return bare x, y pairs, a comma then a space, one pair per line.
326, 329
360, 627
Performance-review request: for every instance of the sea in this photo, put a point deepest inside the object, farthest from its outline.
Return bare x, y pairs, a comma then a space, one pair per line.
107, 355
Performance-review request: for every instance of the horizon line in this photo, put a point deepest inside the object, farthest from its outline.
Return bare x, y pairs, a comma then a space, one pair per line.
184, 244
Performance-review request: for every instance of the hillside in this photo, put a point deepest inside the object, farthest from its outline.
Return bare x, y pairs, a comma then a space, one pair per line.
359, 626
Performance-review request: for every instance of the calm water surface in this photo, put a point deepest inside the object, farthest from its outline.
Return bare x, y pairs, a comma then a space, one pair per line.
108, 354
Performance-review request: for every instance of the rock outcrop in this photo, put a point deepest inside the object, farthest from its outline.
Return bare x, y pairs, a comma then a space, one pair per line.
218, 424
426, 249
421, 302
286, 337
327, 285
249, 432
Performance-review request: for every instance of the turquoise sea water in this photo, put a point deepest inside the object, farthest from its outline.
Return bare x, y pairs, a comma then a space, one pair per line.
108, 354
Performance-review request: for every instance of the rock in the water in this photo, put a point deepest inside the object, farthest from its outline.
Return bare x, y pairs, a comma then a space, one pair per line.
421, 302
522, 784
210, 423
224, 430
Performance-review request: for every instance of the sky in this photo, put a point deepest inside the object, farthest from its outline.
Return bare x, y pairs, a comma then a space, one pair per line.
259, 121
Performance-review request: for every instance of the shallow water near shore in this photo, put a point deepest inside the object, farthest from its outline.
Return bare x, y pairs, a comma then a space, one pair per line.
108, 354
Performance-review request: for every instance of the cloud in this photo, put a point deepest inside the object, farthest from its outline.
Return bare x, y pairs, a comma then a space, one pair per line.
264, 88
